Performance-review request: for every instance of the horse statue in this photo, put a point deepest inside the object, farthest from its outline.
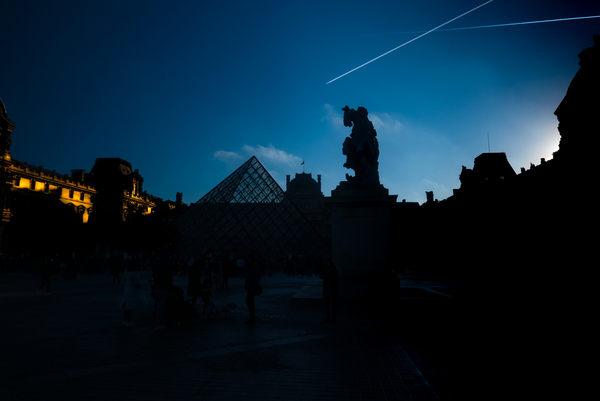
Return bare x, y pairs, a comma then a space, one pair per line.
361, 147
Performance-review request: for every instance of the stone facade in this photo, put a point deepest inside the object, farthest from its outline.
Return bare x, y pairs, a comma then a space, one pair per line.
71, 190
83, 192
6, 128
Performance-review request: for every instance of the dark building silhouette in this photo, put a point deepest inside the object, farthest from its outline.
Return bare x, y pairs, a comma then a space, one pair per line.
489, 169
499, 221
527, 246
119, 194
41, 203
306, 194
170, 210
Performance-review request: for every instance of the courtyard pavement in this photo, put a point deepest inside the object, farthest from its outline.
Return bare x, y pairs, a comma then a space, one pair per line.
71, 345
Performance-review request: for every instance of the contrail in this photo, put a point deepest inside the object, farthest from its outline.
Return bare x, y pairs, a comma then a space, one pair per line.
507, 24
412, 40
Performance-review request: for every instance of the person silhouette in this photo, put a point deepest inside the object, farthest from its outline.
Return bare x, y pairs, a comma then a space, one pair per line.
252, 275
131, 294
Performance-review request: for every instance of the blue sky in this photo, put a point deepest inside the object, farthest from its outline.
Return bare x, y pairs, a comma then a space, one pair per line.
189, 90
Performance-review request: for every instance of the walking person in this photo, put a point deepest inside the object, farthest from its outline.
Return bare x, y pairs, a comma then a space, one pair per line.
132, 294
252, 288
206, 293
329, 276
227, 269
46, 275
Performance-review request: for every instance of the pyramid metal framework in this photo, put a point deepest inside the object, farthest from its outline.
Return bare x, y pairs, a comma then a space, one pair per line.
248, 212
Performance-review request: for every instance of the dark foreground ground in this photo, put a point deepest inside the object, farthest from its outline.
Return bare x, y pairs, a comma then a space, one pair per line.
71, 345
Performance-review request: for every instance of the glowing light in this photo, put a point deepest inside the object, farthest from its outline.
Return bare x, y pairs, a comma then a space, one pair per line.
412, 40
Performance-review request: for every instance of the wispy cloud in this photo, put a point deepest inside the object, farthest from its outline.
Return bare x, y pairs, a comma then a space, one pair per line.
385, 124
334, 117
433, 185
227, 157
272, 154
264, 154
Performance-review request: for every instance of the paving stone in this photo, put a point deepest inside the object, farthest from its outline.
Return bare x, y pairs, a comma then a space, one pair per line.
71, 345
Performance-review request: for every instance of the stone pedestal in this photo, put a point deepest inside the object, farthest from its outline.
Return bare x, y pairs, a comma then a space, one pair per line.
360, 227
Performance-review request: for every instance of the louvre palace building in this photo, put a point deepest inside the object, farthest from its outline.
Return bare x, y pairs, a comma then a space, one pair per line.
498, 219
40, 202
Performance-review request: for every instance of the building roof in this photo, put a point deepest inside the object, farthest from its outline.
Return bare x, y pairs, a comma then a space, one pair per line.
303, 182
493, 166
111, 165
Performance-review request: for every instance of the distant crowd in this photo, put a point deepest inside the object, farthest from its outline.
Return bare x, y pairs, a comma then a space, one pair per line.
67, 266
212, 271
170, 306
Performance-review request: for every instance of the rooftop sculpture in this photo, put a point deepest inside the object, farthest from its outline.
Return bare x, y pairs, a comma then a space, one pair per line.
578, 112
361, 147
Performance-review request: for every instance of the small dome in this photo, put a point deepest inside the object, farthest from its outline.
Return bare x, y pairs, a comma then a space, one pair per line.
303, 182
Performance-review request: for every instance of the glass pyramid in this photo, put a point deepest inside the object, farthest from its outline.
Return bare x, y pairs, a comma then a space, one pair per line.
247, 213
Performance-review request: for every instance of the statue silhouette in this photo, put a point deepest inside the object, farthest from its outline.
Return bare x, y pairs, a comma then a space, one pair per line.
361, 147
